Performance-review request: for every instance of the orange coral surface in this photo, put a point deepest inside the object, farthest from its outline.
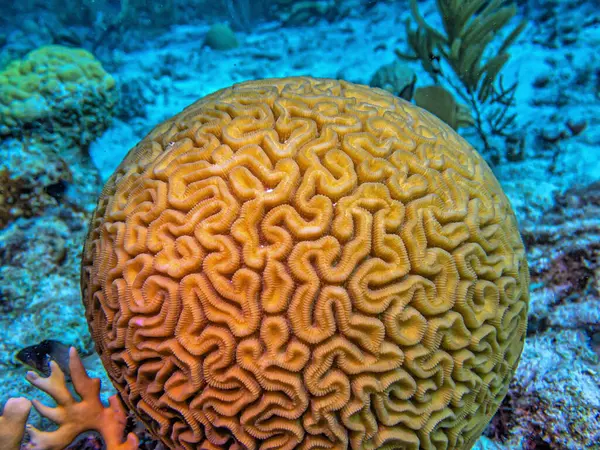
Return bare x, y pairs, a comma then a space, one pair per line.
306, 263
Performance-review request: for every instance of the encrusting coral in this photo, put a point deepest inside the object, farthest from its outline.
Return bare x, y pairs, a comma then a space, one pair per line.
55, 87
440, 102
306, 263
72, 417
397, 78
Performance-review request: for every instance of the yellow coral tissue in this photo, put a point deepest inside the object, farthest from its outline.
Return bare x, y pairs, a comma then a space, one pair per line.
306, 263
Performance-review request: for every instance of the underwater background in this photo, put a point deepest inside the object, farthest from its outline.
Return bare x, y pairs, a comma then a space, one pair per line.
82, 82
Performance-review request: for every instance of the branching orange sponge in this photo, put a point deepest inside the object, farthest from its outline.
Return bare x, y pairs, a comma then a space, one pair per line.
306, 263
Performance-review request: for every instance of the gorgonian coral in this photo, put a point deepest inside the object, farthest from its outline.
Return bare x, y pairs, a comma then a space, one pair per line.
306, 263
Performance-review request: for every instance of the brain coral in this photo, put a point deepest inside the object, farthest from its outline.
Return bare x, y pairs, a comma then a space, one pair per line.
306, 263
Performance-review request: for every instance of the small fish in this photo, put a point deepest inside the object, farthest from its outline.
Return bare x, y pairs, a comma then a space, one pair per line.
38, 357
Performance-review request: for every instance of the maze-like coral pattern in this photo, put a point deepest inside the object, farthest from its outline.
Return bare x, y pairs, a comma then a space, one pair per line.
311, 264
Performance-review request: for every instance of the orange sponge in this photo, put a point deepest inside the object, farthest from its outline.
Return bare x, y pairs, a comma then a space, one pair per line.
306, 263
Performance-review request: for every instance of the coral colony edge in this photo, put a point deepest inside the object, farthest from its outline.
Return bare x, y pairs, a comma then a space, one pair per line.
300, 263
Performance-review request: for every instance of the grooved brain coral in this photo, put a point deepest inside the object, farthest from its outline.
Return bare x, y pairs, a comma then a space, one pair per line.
306, 263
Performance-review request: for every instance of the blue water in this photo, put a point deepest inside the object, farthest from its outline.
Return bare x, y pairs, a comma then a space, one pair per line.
322, 259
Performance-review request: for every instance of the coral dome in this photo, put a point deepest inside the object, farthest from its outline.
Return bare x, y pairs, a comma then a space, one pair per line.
306, 263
